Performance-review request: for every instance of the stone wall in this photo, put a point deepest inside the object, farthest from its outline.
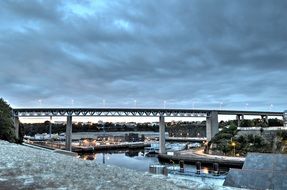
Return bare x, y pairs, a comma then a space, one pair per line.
260, 171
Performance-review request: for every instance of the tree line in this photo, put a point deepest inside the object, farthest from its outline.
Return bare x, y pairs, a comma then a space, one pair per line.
37, 128
253, 123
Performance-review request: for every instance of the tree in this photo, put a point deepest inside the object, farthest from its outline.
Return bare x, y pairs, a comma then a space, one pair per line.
247, 123
275, 122
7, 131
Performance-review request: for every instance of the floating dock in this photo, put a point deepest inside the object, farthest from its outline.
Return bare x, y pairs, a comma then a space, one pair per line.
83, 149
209, 161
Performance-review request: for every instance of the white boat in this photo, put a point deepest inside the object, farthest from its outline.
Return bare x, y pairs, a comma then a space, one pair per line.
151, 150
175, 146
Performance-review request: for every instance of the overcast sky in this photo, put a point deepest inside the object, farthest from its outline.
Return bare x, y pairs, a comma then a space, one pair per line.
187, 53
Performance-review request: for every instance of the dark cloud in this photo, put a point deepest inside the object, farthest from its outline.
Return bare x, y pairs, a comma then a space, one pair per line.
190, 52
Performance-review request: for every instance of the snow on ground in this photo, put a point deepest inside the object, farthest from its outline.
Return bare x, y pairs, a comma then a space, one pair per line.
23, 167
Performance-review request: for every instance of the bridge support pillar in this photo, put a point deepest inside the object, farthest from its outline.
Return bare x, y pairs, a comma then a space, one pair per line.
16, 122
285, 118
69, 133
211, 124
264, 118
239, 117
50, 128
161, 135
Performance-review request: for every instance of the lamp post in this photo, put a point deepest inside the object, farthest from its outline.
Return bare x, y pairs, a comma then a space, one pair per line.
193, 102
104, 103
40, 102
233, 144
270, 107
164, 104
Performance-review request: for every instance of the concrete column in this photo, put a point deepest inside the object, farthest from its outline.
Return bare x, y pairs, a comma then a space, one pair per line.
211, 125
285, 118
264, 118
239, 117
238, 120
161, 135
16, 125
50, 128
69, 133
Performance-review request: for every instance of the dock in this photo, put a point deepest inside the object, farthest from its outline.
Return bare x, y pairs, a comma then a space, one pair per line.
89, 149
83, 149
204, 160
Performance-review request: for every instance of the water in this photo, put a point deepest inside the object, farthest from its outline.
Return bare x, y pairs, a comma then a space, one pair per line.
136, 160
129, 159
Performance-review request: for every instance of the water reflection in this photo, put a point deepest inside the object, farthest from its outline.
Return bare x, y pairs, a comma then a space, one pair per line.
137, 160
132, 159
133, 153
204, 170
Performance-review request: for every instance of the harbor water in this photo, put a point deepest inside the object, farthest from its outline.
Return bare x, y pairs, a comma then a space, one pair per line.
138, 160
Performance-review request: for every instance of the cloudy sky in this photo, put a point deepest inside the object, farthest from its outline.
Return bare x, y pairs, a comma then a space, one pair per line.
144, 53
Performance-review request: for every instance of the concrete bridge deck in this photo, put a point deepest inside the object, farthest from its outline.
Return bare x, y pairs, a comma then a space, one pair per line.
133, 112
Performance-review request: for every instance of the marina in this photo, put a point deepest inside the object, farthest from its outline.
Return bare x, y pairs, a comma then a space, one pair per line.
139, 161
140, 158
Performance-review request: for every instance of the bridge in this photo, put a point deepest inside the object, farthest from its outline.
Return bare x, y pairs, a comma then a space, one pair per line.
210, 115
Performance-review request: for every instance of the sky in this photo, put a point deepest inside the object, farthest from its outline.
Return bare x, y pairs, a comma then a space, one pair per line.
224, 54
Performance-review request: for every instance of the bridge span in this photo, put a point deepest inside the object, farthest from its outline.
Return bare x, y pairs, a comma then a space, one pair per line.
210, 115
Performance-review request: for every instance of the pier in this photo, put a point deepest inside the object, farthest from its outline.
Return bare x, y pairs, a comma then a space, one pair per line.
86, 149
204, 160
194, 156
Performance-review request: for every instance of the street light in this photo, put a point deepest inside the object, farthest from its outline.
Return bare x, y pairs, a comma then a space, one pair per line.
246, 106
40, 102
193, 102
233, 144
220, 106
104, 103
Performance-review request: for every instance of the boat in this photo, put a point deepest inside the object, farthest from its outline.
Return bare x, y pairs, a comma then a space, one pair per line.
175, 146
151, 151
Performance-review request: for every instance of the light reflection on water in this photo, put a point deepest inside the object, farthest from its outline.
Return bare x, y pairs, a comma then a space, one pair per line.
205, 170
128, 159
136, 160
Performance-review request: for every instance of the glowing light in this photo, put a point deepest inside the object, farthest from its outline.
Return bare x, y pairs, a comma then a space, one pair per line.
204, 170
86, 142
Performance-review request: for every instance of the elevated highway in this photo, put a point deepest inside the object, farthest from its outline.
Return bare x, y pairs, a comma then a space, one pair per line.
210, 115
133, 112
